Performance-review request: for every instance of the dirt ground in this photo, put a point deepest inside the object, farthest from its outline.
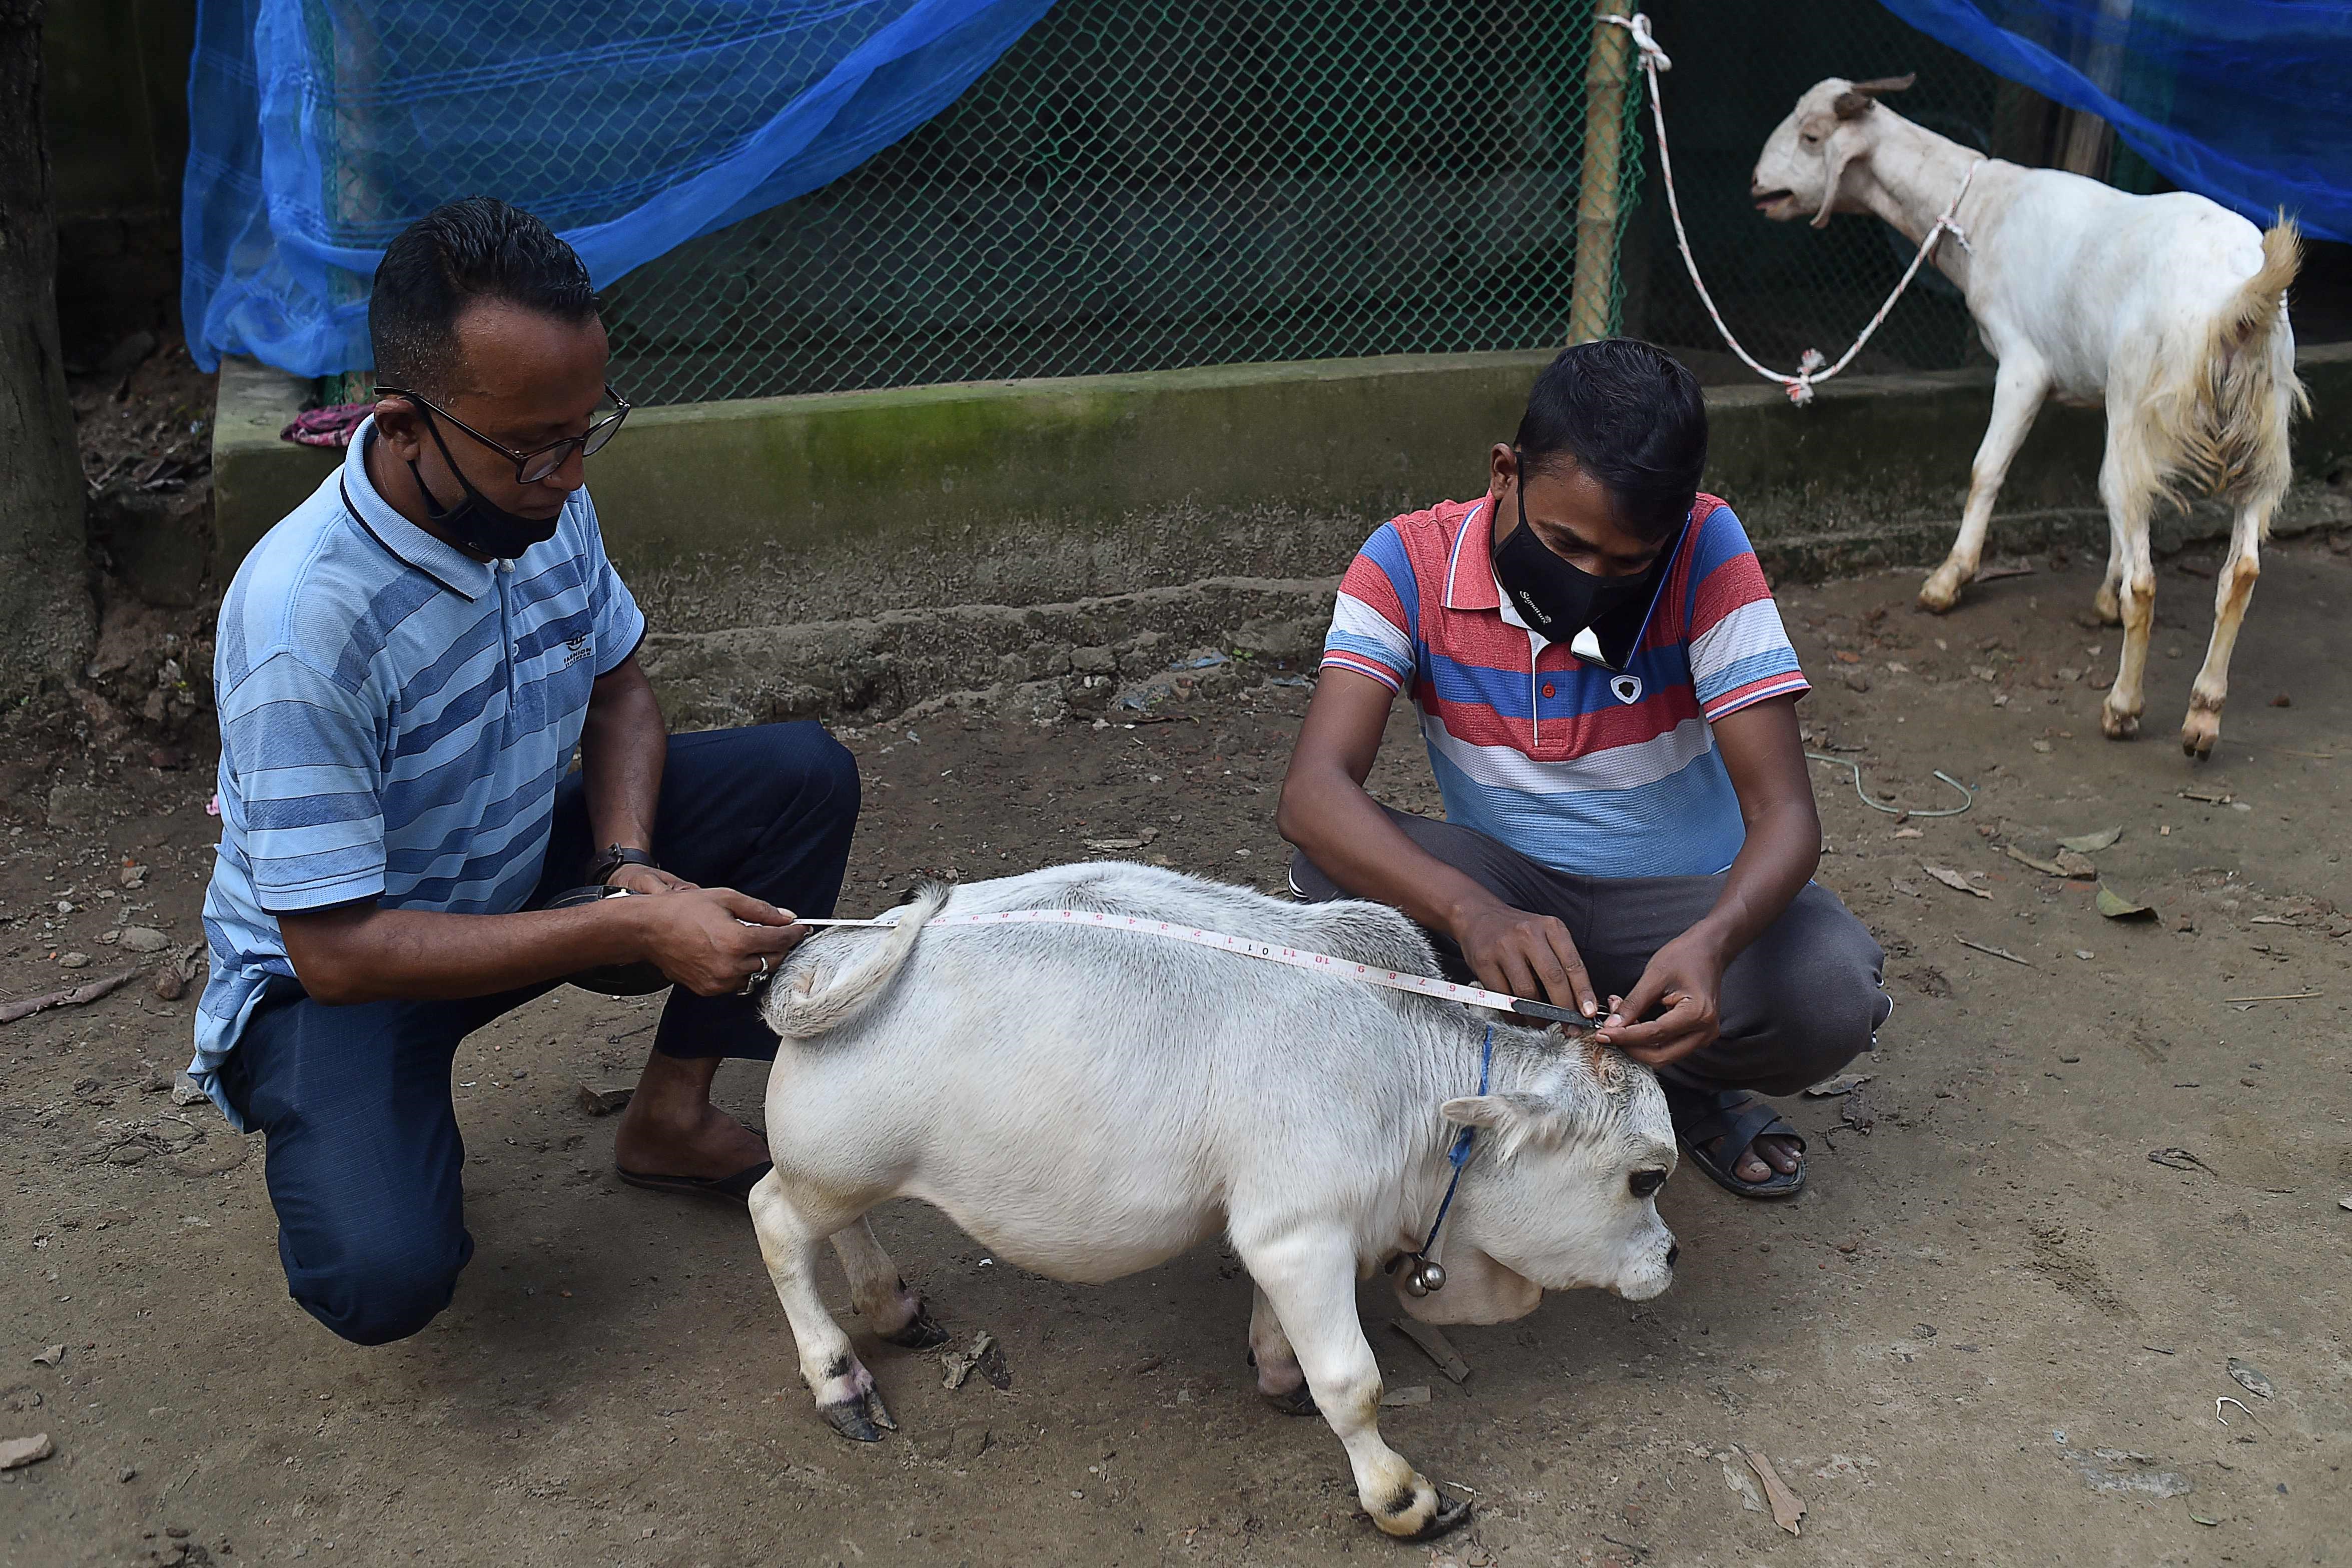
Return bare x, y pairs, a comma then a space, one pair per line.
1993, 1330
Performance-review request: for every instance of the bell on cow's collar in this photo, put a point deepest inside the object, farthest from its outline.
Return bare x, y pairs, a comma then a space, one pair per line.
1424, 1276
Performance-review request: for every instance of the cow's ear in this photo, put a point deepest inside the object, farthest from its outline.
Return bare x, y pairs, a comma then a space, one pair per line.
1513, 1118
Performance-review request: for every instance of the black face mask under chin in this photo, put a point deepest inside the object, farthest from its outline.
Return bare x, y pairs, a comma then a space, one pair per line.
1558, 601
478, 522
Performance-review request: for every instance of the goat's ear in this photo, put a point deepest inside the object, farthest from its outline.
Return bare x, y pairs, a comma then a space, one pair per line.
1877, 85
1845, 144
1851, 105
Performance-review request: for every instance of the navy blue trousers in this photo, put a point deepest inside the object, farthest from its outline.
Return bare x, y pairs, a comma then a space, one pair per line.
365, 1161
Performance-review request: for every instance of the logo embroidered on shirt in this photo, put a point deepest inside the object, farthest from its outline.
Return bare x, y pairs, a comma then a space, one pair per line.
575, 649
1626, 688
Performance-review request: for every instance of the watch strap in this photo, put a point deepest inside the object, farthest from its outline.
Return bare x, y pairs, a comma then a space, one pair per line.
617, 856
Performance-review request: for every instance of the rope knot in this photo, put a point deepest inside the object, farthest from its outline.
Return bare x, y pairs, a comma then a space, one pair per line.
1801, 385
1652, 56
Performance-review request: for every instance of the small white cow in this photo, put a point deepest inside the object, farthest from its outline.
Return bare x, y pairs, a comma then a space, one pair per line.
2169, 311
1089, 1102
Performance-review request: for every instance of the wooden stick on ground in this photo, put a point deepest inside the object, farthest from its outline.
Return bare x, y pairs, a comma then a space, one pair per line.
87, 991
1434, 1345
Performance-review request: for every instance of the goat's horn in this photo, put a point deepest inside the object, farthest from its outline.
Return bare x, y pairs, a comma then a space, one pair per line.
1877, 85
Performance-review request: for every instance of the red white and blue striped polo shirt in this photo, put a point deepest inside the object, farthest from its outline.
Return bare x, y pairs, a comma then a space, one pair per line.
1602, 774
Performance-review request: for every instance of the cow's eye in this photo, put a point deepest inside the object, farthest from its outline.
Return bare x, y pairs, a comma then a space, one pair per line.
1645, 1182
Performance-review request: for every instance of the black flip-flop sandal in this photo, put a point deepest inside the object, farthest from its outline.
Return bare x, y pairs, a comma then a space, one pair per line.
1730, 1121
737, 1187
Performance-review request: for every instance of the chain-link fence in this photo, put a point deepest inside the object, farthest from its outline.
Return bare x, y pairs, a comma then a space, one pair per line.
1144, 185
1786, 287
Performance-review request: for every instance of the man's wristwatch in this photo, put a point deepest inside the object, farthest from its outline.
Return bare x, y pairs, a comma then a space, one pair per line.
615, 856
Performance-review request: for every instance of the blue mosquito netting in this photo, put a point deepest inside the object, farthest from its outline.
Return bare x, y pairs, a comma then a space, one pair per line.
322, 128
2246, 101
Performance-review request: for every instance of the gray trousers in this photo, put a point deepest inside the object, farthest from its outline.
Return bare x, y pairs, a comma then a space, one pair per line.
1802, 1002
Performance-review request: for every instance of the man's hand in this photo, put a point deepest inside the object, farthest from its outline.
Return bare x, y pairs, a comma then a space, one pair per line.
635, 879
1524, 954
1685, 977
712, 940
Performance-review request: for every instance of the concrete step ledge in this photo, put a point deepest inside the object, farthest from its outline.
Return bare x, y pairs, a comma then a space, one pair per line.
863, 550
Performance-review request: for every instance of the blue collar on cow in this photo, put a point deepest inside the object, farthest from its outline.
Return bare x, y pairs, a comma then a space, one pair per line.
1426, 1275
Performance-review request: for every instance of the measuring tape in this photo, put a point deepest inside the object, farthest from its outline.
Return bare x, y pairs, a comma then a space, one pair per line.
1271, 952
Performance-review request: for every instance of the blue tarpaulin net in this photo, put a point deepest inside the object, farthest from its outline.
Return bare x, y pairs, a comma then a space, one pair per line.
322, 128
2246, 101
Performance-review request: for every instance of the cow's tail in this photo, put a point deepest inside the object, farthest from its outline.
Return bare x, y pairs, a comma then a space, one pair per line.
2221, 426
819, 997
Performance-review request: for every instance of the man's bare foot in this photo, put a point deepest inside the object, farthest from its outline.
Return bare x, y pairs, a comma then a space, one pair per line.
1742, 1144
671, 1129
1777, 1153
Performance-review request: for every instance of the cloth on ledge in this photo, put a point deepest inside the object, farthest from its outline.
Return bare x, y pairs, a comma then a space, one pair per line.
327, 426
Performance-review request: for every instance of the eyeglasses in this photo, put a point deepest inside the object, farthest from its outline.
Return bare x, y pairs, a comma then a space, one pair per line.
541, 462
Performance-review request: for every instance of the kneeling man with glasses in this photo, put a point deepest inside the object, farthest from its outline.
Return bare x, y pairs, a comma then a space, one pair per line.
405, 667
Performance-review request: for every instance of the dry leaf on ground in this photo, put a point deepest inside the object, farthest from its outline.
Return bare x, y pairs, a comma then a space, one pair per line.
2090, 843
1788, 1507
1951, 879
2116, 907
1844, 1083
2248, 1377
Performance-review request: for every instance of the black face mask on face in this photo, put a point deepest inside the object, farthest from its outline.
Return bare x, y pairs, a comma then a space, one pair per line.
1558, 600
478, 522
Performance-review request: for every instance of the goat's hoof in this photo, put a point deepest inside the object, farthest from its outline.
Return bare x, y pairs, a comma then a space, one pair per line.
1936, 596
1299, 1401
922, 1332
2108, 608
2197, 736
2118, 726
860, 1420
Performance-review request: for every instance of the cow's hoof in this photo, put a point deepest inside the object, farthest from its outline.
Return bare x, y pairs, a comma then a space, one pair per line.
860, 1420
1452, 1515
1299, 1401
922, 1332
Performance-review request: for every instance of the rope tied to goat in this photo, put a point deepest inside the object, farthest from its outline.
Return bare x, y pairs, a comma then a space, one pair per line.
1812, 367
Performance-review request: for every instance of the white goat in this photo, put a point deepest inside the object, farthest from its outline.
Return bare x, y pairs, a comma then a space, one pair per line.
2169, 311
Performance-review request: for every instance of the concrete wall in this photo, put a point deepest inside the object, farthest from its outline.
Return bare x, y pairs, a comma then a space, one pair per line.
861, 550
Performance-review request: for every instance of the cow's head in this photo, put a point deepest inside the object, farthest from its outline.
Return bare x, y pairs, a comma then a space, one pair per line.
1566, 1189
1805, 158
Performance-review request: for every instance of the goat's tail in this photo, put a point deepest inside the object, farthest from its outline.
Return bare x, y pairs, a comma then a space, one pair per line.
2228, 428
817, 1000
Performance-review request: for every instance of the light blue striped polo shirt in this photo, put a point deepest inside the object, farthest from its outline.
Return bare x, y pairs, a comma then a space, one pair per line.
395, 716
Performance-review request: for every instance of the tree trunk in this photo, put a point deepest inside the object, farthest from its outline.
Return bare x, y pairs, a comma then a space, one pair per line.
45, 620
